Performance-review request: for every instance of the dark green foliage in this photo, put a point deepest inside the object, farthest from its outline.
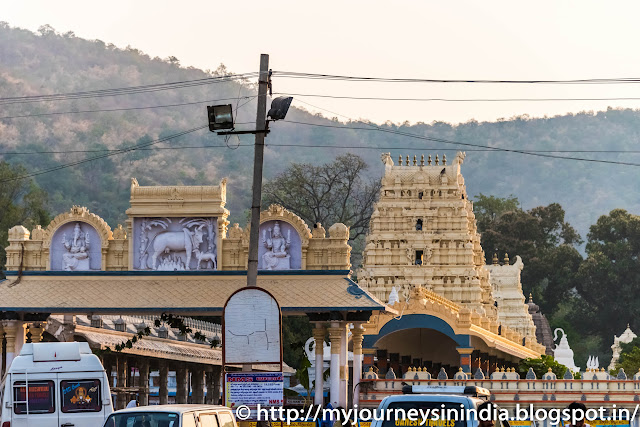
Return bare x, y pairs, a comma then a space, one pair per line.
296, 330
609, 279
21, 203
546, 243
629, 361
541, 366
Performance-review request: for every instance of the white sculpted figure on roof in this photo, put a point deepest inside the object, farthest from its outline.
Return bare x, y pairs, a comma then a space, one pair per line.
276, 258
77, 255
562, 352
173, 247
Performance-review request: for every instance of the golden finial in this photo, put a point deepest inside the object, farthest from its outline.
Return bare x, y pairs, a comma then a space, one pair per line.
506, 259
444, 159
429, 161
530, 297
495, 258
437, 160
400, 160
415, 161
407, 160
422, 160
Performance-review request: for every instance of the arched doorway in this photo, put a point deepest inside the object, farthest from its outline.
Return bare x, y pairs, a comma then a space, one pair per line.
417, 340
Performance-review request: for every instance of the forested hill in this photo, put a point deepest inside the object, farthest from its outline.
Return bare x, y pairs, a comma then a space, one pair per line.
49, 63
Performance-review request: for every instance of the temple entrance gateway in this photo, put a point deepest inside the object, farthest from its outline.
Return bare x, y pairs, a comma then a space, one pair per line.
176, 254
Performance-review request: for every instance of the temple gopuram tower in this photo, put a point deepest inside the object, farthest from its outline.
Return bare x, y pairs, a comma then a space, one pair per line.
423, 233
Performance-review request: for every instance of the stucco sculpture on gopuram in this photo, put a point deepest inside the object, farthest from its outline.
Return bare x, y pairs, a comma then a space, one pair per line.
423, 234
176, 228
76, 256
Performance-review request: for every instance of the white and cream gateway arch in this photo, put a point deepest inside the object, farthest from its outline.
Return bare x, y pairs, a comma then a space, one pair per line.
177, 254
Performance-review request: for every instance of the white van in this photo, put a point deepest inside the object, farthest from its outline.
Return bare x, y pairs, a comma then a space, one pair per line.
55, 385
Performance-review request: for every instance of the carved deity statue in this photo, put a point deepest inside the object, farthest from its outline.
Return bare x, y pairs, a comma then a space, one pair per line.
77, 255
428, 253
277, 257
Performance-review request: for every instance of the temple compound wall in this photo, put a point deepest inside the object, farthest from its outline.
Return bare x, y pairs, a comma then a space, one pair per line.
596, 388
175, 228
423, 256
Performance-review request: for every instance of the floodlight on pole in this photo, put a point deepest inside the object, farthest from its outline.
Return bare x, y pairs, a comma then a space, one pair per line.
279, 107
220, 117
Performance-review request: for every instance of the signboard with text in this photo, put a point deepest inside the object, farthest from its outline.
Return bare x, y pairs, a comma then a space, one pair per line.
251, 330
253, 388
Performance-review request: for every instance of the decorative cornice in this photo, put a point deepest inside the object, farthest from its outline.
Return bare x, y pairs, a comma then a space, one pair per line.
78, 214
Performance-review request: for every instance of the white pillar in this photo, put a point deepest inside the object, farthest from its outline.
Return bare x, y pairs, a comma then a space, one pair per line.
21, 336
1, 351
11, 330
344, 364
318, 335
357, 335
335, 335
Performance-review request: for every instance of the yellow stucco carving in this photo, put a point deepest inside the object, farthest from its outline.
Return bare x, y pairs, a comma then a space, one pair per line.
318, 252
423, 255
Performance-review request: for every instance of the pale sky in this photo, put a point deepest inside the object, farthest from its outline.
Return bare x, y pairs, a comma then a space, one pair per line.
413, 39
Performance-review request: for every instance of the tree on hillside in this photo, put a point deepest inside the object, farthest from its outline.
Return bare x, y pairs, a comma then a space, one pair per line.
543, 239
488, 209
328, 193
609, 279
21, 201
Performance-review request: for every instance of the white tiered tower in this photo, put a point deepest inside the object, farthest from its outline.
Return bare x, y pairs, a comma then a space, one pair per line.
423, 233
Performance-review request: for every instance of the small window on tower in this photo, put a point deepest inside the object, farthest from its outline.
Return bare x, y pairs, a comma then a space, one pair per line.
419, 257
419, 225
420, 194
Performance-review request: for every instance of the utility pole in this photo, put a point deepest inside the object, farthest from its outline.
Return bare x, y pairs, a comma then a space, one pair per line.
261, 128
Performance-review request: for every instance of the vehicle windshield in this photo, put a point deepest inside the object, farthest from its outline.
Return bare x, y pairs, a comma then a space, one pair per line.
143, 419
415, 413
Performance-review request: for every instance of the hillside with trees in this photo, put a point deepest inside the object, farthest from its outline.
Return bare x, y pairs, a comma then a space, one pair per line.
48, 63
563, 197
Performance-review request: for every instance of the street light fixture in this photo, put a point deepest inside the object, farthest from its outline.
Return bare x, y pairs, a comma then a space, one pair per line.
220, 117
279, 107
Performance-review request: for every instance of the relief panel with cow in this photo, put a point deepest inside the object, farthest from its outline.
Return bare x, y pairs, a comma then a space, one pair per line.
175, 244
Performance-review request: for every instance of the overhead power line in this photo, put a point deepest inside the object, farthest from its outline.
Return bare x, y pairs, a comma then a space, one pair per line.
314, 76
466, 144
376, 98
445, 141
102, 156
56, 113
350, 147
124, 90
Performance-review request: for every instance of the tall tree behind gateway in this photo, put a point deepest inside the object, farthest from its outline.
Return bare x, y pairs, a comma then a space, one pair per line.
329, 193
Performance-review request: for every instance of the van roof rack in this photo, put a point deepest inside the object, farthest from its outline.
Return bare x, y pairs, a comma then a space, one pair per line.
472, 390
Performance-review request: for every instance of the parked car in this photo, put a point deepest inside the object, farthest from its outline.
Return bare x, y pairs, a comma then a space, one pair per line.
430, 399
172, 416
55, 384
